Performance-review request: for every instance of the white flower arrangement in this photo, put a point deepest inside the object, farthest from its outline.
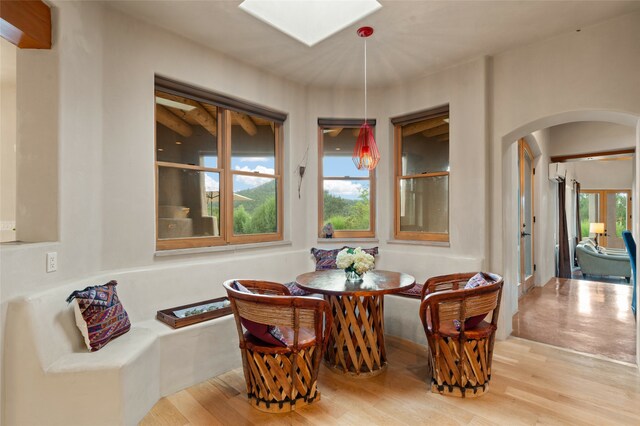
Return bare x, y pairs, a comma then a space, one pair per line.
356, 260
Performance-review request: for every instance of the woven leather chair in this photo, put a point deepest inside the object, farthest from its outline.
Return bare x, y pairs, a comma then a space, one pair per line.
460, 359
280, 378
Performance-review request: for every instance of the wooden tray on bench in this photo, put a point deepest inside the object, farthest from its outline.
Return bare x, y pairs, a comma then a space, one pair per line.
170, 317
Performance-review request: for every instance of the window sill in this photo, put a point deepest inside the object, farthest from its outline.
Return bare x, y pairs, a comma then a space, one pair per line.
225, 248
21, 245
420, 243
347, 240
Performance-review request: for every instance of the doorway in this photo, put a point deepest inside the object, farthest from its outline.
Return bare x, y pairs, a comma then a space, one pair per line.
611, 207
527, 219
593, 317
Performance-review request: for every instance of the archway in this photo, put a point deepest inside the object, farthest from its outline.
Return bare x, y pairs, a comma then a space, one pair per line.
509, 194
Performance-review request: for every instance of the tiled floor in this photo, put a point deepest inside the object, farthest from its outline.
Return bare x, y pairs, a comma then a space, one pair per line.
586, 316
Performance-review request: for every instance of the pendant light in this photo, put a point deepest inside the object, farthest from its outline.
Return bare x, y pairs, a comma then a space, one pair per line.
365, 154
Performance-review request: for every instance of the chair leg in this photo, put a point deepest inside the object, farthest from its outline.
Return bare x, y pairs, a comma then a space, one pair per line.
279, 383
465, 374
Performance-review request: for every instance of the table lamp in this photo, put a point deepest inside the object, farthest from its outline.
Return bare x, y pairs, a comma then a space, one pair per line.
596, 228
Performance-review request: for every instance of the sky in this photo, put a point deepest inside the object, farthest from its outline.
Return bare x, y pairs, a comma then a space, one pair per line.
240, 182
333, 166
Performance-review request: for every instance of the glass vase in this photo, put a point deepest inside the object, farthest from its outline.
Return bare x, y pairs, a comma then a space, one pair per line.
353, 276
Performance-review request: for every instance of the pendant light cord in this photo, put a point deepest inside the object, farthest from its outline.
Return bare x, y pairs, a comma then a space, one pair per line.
365, 80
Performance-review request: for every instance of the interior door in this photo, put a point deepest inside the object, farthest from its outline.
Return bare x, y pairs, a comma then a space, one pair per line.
616, 217
527, 232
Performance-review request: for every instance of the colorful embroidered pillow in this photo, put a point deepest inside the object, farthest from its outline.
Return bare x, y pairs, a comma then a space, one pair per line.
373, 251
295, 290
478, 280
99, 314
414, 292
326, 259
270, 334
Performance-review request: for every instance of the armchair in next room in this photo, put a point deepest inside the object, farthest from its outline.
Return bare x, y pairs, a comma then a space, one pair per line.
593, 262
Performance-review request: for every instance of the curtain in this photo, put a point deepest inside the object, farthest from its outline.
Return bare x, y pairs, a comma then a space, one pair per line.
576, 184
564, 260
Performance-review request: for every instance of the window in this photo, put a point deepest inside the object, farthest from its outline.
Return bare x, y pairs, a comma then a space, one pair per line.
219, 164
346, 194
609, 206
422, 175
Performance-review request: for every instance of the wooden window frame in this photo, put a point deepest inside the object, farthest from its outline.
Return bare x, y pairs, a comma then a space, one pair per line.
525, 282
225, 107
399, 123
346, 123
602, 196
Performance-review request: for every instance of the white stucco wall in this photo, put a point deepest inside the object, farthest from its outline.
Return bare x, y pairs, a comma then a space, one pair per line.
593, 136
95, 156
128, 196
464, 89
553, 82
603, 174
544, 207
7, 140
38, 102
85, 155
107, 63
583, 137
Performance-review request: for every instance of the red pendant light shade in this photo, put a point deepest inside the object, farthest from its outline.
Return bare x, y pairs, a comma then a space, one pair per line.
366, 154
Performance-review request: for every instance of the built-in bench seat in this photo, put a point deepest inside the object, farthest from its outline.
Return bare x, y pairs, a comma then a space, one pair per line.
51, 367
128, 348
51, 378
401, 318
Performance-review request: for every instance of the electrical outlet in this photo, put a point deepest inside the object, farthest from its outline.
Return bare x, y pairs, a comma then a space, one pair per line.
52, 261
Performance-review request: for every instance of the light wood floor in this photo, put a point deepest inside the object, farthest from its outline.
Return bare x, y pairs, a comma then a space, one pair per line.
586, 316
531, 384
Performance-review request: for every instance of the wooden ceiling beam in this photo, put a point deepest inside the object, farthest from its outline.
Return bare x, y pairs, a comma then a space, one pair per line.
198, 113
27, 24
211, 109
442, 129
421, 126
245, 122
599, 155
172, 121
204, 119
261, 121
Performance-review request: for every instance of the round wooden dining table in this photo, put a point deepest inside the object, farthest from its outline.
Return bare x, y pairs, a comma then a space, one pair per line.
356, 343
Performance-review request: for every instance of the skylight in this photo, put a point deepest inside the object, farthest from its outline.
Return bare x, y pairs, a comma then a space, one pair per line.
310, 21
